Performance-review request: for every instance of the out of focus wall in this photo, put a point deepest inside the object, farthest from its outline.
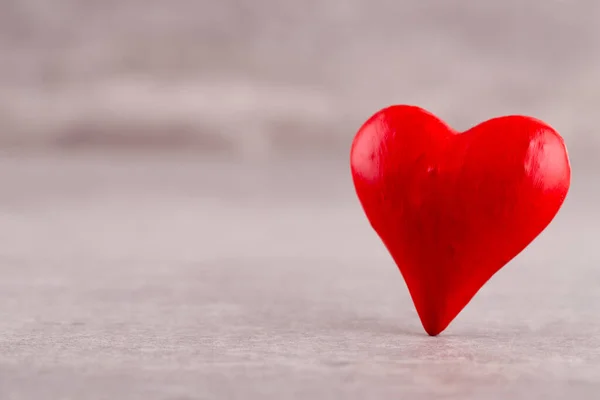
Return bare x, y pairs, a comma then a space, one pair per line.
262, 77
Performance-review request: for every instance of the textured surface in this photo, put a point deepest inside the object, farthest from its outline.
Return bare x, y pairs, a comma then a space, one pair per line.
147, 278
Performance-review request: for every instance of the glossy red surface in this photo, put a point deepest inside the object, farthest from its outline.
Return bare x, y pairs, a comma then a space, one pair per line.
453, 208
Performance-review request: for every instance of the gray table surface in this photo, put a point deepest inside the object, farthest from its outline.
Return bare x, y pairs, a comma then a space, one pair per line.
163, 278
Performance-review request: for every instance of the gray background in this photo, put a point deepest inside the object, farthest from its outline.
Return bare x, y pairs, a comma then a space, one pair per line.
178, 222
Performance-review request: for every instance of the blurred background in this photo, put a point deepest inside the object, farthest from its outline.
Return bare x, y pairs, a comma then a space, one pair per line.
177, 219
261, 77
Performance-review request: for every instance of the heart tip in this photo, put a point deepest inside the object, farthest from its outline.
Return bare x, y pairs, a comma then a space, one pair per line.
434, 330
433, 333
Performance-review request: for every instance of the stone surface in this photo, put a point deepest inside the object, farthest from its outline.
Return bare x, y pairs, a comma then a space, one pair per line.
170, 278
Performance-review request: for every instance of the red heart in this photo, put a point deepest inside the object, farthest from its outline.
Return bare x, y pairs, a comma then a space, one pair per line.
453, 208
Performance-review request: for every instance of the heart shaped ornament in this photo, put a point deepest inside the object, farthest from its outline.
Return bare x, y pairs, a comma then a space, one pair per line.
454, 208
